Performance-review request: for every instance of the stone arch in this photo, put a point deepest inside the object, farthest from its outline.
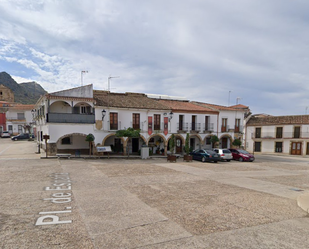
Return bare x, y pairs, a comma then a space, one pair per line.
110, 135
72, 134
82, 103
207, 136
229, 137
78, 142
196, 135
155, 135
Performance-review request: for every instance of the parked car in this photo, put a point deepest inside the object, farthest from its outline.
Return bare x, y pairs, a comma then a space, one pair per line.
225, 154
242, 155
5, 134
21, 136
205, 156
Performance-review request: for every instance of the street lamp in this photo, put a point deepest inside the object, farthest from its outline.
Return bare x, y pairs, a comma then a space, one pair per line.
103, 114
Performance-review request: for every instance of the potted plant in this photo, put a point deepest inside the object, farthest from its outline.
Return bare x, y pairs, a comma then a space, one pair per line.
171, 157
90, 139
187, 157
237, 142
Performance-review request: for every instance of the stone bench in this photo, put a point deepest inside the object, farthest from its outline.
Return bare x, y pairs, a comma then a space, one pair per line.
64, 156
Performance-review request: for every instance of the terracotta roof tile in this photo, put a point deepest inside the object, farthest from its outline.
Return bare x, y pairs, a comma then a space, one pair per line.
22, 107
186, 106
221, 107
126, 100
278, 120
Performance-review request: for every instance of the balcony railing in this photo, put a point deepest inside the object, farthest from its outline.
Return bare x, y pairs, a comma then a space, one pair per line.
283, 135
195, 127
70, 118
208, 127
182, 127
16, 118
115, 127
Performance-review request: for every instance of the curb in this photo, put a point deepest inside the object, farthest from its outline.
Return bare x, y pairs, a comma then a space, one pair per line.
303, 202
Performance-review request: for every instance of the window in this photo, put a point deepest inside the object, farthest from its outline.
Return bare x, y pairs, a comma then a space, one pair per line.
224, 125
66, 140
20, 129
113, 117
193, 127
156, 122
207, 123
20, 116
180, 122
136, 121
10, 128
278, 147
237, 125
85, 109
257, 146
297, 132
257, 132
279, 132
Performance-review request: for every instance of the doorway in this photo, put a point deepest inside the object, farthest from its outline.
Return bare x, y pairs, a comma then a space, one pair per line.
296, 148
178, 145
224, 142
135, 145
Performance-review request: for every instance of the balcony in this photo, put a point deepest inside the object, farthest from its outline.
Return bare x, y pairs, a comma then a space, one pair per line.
208, 127
195, 127
182, 127
16, 119
70, 118
283, 135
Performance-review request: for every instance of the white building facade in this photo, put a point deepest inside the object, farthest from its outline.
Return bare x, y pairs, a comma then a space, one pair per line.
278, 134
64, 119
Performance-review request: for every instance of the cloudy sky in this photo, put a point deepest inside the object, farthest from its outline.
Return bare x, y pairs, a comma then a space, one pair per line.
205, 50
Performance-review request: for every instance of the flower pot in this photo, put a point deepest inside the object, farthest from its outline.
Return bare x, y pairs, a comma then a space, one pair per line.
171, 158
187, 158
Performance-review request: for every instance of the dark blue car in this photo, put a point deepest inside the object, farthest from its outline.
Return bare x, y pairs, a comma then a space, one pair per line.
205, 156
21, 136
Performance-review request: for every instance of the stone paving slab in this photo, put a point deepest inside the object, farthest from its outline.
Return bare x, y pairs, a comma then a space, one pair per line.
151, 204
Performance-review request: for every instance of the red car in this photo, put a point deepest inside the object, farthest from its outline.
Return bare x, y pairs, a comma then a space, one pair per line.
242, 155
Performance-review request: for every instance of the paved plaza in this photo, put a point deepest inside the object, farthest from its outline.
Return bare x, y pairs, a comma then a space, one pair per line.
152, 204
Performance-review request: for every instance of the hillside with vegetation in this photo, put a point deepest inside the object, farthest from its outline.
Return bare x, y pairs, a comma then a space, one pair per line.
25, 93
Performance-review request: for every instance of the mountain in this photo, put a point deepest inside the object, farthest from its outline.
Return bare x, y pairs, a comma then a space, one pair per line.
25, 93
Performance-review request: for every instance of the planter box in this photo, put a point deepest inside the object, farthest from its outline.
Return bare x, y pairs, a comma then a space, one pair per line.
187, 158
171, 158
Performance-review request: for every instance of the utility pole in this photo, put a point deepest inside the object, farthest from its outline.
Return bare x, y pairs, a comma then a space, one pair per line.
81, 76
229, 98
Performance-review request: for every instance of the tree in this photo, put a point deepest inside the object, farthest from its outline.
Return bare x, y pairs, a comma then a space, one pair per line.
187, 146
214, 140
237, 142
172, 143
90, 139
130, 133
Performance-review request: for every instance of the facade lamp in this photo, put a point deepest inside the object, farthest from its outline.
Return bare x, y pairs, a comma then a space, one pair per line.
103, 114
170, 116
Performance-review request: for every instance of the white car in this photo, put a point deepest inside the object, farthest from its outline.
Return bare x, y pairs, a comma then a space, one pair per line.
225, 154
5, 134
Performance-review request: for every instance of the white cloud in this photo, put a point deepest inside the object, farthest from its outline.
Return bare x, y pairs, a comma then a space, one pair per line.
200, 50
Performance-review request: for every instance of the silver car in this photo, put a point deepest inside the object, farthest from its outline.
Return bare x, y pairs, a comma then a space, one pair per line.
5, 134
225, 154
